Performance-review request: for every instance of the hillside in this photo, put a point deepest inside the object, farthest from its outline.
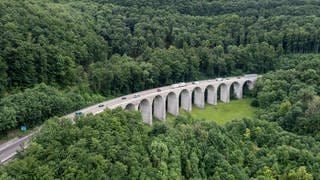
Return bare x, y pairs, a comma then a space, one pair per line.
117, 145
57, 56
117, 47
65, 43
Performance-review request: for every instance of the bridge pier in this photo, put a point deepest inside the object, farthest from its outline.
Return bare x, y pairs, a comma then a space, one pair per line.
186, 103
159, 108
173, 104
145, 109
211, 95
225, 93
237, 88
199, 97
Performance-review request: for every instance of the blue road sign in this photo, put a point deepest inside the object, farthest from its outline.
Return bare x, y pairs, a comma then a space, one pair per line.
23, 128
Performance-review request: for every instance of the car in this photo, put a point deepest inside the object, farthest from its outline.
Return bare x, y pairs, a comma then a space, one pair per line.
196, 82
158, 90
78, 113
123, 98
174, 86
101, 105
136, 96
182, 84
219, 79
238, 77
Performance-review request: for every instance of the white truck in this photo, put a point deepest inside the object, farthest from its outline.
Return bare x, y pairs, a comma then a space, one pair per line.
250, 75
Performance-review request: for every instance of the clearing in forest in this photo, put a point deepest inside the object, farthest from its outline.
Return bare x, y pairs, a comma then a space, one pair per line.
223, 112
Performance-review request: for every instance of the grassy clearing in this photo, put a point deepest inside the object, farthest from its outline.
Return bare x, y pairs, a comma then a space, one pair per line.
221, 113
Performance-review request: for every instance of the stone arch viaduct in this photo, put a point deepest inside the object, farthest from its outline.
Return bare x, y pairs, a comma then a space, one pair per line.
155, 103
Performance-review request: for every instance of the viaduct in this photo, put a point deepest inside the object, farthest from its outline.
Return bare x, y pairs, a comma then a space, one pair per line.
155, 103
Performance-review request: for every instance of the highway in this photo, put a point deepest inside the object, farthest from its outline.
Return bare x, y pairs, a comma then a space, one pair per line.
8, 149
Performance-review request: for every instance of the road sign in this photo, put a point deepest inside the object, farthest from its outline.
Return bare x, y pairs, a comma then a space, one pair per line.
23, 128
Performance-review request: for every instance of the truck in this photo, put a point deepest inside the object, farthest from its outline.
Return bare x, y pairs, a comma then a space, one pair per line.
250, 75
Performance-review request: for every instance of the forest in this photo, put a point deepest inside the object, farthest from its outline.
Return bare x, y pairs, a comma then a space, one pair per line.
110, 48
64, 43
117, 145
57, 56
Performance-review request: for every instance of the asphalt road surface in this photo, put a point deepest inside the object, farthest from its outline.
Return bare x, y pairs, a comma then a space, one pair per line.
9, 149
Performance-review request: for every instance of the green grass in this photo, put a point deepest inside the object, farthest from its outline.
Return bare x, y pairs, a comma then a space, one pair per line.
221, 113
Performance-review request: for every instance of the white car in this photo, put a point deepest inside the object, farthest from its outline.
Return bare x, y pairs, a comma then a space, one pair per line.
174, 86
182, 84
219, 79
136, 96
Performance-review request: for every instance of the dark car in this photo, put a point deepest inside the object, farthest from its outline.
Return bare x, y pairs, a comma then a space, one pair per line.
101, 105
123, 98
158, 90
78, 113
136, 96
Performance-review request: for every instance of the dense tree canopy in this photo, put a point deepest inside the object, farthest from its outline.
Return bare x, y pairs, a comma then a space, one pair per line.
55, 54
117, 145
35, 105
291, 96
62, 42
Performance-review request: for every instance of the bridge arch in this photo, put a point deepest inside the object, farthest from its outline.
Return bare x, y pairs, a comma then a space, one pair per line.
247, 86
130, 107
185, 100
210, 95
223, 92
159, 108
198, 97
235, 90
145, 109
172, 104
